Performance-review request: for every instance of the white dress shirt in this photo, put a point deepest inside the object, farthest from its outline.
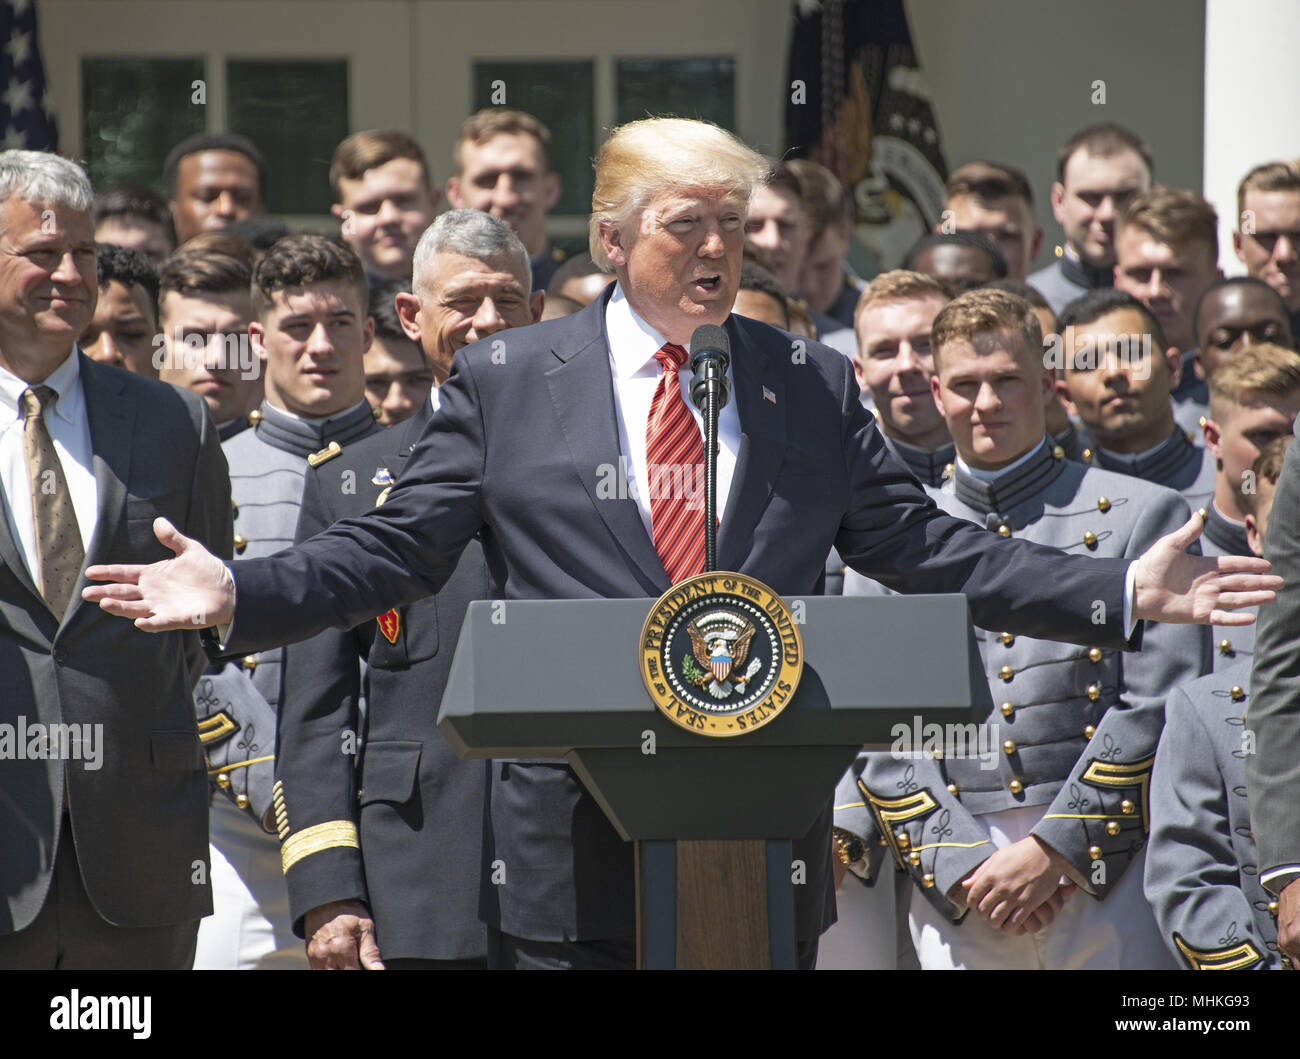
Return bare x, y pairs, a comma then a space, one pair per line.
70, 431
633, 344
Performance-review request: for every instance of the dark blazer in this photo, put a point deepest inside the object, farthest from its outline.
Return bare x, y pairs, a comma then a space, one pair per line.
416, 808
522, 449
1273, 770
140, 821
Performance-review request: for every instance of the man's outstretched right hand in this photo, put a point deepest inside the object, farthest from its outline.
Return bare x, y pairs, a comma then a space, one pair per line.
192, 591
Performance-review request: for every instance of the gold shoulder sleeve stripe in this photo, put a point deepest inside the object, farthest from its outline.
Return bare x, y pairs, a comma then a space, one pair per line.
333, 834
215, 728
1234, 958
891, 811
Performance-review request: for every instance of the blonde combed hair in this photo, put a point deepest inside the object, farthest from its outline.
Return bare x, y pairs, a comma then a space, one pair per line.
644, 159
1262, 369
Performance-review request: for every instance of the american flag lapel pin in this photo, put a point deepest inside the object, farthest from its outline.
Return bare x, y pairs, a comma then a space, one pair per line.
768, 395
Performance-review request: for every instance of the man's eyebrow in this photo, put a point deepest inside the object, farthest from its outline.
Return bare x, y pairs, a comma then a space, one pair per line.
460, 292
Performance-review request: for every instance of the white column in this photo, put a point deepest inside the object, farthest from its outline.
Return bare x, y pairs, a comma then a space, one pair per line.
1252, 100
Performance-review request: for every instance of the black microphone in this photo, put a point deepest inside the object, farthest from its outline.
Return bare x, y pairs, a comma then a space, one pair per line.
710, 355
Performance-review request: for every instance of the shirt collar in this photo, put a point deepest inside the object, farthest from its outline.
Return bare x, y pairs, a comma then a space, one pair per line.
633, 343
64, 380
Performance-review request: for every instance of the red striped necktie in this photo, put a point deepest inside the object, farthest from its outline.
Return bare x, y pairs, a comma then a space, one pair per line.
675, 473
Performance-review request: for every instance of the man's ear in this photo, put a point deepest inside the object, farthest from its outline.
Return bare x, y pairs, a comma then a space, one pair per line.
859, 374
935, 391
611, 241
1037, 244
453, 193
536, 303
1236, 246
367, 334
408, 308
1254, 539
1063, 392
256, 339
1058, 202
1174, 362
1213, 436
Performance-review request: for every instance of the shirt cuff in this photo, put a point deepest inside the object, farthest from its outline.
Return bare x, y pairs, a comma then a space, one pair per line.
1130, 590
1278, 879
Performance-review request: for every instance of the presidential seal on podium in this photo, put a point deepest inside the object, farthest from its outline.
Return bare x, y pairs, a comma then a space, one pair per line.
720, 654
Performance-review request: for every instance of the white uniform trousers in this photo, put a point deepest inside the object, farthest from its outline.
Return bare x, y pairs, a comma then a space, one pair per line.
1117, 933
249, 927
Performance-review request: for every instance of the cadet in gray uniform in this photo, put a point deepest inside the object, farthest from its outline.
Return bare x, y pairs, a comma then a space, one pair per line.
1254, 398
1167, 256
1099, 170
1052, 786
1203, 869
1202, 873
1119, 378
311, 332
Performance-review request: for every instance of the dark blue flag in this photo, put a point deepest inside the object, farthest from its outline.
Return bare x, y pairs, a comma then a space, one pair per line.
25, 120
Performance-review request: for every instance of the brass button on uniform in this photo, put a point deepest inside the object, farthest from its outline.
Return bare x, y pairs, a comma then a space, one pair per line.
1089, 539
1203, 513
1103, 504
223, 780
254, 417
1272, 908
249, 662
1094, 655
948, 471
1094, 692
952, 788
1004, 530
927, 880
1094, 852
241, 542
1237, 694
914, 859
1225, 647
1006, 638
1089, 731
1112, 827
1008, 746
241, 800
1058, 453
1007, 709
1086, 455
1127, 807
903, 841
1006, 673
1015, 786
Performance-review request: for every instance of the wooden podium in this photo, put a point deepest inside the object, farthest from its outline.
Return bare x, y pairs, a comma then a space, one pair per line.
714, 870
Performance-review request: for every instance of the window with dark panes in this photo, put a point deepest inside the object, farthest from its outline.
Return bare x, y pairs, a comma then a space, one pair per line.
561, 95
133, 111
702, 88
296, 111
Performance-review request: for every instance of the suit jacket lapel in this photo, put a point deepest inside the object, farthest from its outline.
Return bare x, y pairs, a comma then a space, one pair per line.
12, 557
582, 391
762, 445
111, 411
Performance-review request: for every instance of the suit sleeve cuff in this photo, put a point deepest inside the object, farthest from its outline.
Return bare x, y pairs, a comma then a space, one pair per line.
1130, 589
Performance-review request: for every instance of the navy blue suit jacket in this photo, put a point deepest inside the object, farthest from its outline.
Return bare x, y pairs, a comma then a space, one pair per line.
520, 453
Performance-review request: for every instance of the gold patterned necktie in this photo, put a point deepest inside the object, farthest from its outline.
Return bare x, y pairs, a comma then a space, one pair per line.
59, 551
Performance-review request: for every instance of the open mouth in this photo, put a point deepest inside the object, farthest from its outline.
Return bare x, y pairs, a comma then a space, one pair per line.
708, 284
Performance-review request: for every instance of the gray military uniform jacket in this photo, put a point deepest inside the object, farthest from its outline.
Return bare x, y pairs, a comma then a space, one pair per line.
236, 701
1191, 398
1068, 278
1177, 463
1074, 730
1222, 536
1202, 870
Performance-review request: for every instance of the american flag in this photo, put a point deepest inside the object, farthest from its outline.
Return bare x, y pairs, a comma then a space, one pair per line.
26, 119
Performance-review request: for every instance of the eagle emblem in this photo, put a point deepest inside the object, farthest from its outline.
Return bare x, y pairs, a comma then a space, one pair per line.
720, 645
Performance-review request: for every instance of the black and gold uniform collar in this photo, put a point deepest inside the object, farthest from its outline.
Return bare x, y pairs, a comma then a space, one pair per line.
1157, 465
999, 495
931, 467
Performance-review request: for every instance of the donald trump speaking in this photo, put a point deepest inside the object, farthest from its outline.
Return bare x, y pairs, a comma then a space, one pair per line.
529, 423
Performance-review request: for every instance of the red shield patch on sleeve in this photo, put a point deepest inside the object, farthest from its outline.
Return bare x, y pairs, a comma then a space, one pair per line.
390, 625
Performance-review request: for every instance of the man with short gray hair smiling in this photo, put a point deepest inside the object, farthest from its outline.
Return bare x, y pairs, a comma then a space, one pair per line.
105, 862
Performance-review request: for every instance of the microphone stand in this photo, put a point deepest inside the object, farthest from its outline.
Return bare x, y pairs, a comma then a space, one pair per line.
711, 412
